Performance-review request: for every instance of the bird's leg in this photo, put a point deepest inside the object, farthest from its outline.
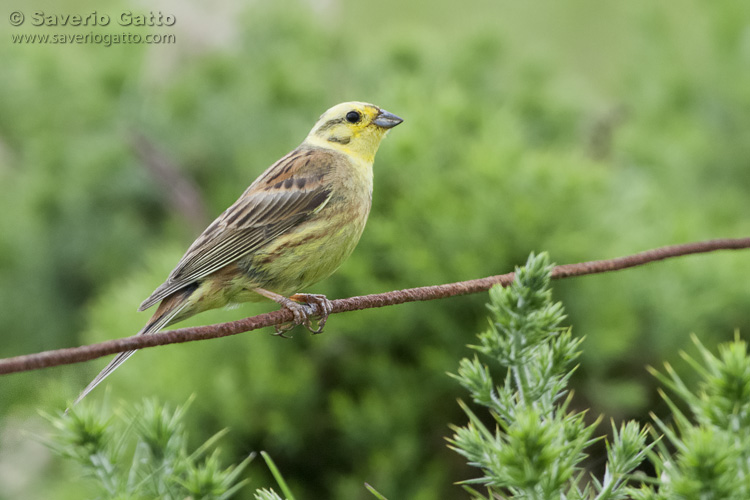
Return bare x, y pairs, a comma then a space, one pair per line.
301, 312
324, 305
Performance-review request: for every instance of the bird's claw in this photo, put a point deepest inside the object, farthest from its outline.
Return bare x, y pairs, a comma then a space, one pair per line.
282, 329
325, 308
300, 305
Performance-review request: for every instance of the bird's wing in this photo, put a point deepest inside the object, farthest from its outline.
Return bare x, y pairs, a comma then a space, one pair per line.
286, 194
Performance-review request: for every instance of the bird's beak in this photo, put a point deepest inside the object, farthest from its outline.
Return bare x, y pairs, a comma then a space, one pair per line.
386, 119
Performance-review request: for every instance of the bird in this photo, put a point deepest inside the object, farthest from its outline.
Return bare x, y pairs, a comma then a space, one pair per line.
292, 227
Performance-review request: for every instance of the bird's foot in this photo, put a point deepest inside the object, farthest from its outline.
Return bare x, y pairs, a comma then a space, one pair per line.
325, 307
300, 304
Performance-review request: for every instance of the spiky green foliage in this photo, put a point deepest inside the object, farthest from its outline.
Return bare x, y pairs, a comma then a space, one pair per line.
143, 454
705, 452
537, 445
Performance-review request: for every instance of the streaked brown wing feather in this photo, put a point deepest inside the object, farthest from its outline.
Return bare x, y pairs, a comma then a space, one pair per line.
282, 197
279, 212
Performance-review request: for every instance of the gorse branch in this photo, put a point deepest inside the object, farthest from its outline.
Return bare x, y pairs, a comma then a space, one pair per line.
71, 355
143, 452
537, 445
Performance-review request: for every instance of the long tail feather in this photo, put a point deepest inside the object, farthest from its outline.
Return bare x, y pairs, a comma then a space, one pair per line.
167, 312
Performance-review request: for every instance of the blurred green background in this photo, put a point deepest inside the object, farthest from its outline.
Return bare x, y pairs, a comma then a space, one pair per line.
587, 129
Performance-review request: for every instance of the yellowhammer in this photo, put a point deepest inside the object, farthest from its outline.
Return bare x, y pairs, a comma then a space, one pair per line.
291, 228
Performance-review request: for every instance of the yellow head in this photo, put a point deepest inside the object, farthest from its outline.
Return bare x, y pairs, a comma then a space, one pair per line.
354, 128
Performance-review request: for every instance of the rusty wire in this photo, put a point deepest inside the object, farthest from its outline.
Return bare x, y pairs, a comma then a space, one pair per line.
71, 355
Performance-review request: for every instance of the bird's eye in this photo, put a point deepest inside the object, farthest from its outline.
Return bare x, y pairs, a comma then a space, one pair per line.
353, 117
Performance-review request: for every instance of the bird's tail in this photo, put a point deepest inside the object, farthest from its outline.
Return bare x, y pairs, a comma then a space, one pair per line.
167, 312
